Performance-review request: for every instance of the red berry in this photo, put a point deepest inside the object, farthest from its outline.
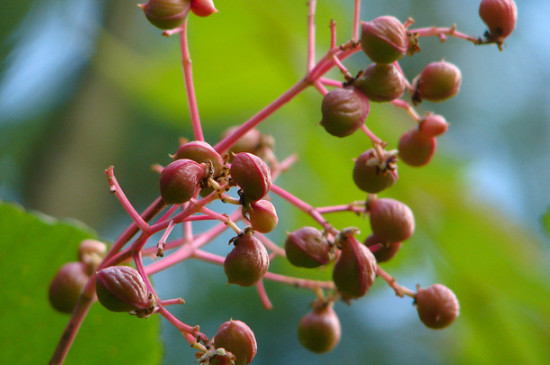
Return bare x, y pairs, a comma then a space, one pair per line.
433, 125
384, 39
252, 174
344, 111
437, 306
236, 337
263, 216
384, 251
390, 220
319, 331
67, 285
355, 270
166, 14
415, 148
203, 7
438, 81
180, 181
372, 175
201, 152
307, 247
381, 82
121, 289
500, 17
248, 262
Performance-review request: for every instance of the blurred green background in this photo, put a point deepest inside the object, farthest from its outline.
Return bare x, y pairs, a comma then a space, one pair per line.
88, 84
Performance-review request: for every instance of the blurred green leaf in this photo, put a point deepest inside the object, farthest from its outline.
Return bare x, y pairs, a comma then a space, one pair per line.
546, 221
33, 247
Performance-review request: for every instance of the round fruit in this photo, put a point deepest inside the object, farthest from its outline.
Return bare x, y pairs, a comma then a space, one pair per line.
252, 174
319, 331
438, 81
236, 337
500, 17
166, 14
201, 152
307, 247
381, 82
390, 220
344, 111
67, 285
433, 125
437, 306
373, 176
415, 148
180, 181
248, 262
384, 39
263, 216
384, 251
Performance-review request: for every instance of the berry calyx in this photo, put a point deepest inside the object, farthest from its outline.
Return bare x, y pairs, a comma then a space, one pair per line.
500, 17
307, 247
438, 81
166, 14
121, 289
236, 337
416, 148
381, 82
437, 306
344, 110
263, 216
180, 181
391, 220
319, 331
67, 285
201, 152
373, 175
355, 270
252, 174
384, 39
248, 262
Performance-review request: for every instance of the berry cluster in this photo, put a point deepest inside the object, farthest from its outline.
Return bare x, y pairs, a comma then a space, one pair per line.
241, 169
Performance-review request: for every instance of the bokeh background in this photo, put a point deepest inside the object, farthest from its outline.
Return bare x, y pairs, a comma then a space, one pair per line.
88, 84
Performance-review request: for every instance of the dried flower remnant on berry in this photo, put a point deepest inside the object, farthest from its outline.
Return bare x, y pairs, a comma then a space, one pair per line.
372, 174
500, 17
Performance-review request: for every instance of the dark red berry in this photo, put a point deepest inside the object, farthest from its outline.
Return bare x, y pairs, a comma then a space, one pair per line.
236, 337
390, 220
382, 251
166, 14
344, 111
384, 39
415, 148
248, 262
307, 247
201, 152
372, 174
319, 331
67, 285
180, 181
437, 306
252, 174
249, 142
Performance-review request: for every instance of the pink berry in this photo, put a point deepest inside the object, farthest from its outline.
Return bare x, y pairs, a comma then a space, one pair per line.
344, 110
307, 247
438, 81
236, 337
166, 14
381, 82
437, 306
319, 331
433, 125
248, 262
372, 175
91, 252
252, 174
203, 7
384, 39
500, 17
263, 216
391, 220
67, 285
384, 252
180, 181
201, 152
415, 148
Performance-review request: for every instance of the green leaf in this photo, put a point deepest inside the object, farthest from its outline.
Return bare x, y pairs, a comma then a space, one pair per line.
33, 247
546, 221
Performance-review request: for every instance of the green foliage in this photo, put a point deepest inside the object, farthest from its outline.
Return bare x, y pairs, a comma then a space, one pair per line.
33, 247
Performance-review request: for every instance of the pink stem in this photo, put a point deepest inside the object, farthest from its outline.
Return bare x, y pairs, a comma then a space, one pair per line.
399, 290
355, 208
438, 32
188, 77
408, 108
372, 136
330, 82
319, 86
263, 295
311, 35
356, 18
302, 283
271, 245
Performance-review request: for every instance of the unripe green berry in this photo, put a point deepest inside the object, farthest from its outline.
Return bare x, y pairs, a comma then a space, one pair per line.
372, 175
384, 39
166, 14
438, 81
319, 331
307, 247
381, 82
121, 289
248, 262
437, 306
236, 337
390, 220
263, 216
344, 111
180, 181
201, 152
67, 285
252, 174
415, 148
500, 17
355, 270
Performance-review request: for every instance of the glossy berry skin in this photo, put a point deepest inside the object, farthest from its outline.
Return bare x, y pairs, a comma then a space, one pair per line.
121, 289
307, 247
263, 216
391, 220
500, 17
369, 176
344, 110
381, 82
67, 285
319, 331
180, 181
355, 270
415, 148
203, 7
201, 152
384, 252
438, 81
250, 142
236, 337
384, 39
248, 262
437, 306
166, 14
433, 125
252, 174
